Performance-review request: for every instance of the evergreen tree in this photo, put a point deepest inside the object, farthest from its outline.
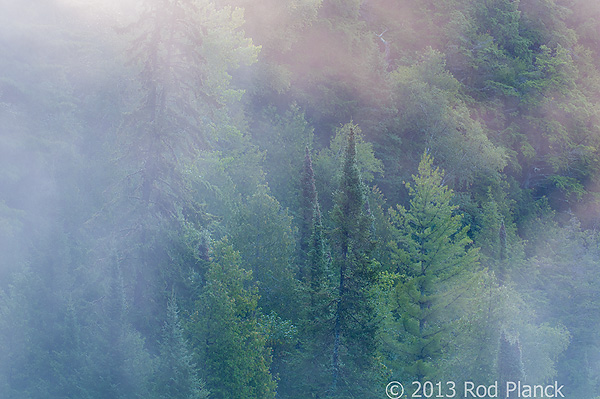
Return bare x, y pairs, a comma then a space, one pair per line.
176, 377
433, 259
230, 343
312, 363
184, 84
355, 325
182, 51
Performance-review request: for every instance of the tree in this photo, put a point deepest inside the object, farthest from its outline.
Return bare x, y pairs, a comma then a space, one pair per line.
433, 115
314, 363
433, 258
185, 50
182, 53
226, 334
328, 163
355, 325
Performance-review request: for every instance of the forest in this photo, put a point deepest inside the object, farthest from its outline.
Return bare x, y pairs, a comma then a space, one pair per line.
298, 198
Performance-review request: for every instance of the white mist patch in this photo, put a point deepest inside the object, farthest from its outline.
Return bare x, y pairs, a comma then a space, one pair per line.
117, 9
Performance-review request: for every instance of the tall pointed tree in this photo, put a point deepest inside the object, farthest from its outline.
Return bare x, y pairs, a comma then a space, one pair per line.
433, 258
317, 264
311, 364
355, 325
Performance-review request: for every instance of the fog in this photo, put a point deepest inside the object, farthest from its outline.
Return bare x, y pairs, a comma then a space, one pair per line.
298, 198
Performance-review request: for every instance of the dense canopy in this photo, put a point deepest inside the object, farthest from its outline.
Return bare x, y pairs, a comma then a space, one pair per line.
298, 198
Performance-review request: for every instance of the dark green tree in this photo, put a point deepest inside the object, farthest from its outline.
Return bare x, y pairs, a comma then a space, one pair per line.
317, 261
312, 363
355, 321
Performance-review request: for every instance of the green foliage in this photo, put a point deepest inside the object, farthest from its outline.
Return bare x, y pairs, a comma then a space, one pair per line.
127, 154
432, 115
434, 261
308, 208
283, 138
264, 236
226, 334
184, 51
328, 162
356, 323
510, 364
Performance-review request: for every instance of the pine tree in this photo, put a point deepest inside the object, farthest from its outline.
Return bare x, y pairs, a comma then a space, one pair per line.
176, 376
313, 363
433, 258
355, 325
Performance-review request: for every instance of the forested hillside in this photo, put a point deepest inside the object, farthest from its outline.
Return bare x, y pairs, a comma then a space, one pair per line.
298, 198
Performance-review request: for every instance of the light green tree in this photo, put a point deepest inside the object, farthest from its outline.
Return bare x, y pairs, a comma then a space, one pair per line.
434, 259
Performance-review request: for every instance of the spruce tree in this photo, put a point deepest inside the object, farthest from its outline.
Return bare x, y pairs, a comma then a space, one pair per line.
433, 259
355, 325
311, 364
184, 86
